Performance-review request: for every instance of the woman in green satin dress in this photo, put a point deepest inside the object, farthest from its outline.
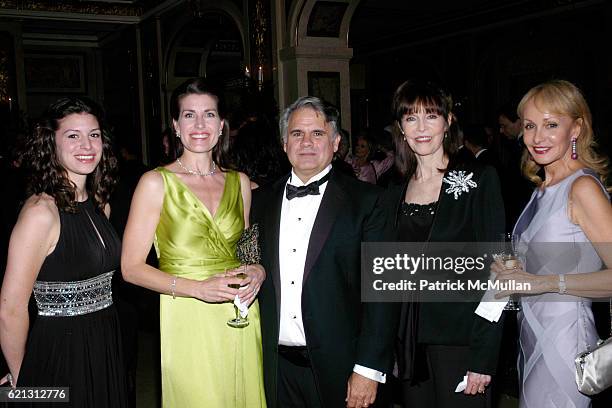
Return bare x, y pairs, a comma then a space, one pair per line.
194, 210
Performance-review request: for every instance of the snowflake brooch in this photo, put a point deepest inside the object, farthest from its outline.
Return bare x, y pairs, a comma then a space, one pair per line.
459, 183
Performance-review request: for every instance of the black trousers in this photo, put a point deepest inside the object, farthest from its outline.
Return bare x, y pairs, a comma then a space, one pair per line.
447, 365
297, 387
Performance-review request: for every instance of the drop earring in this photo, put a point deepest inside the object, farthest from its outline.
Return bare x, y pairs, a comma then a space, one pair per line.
178, 134
574, 153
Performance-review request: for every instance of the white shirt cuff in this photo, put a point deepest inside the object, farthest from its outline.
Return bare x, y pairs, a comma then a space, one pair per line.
370, 373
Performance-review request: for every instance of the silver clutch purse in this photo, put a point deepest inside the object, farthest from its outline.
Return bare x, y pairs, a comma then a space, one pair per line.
594, 367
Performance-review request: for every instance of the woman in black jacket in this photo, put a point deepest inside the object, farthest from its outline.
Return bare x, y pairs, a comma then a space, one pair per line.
441, 199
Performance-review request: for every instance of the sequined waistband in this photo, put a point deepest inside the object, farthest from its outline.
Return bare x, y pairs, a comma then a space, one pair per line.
74, 298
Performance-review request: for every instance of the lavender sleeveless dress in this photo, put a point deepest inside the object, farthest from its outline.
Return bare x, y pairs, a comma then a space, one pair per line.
553, 328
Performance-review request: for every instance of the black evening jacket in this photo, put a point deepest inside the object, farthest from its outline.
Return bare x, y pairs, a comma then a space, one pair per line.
475, 216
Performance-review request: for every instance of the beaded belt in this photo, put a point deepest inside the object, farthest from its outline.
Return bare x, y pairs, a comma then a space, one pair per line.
74, 298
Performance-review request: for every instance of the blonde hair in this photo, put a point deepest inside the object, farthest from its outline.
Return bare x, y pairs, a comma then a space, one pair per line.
564, 98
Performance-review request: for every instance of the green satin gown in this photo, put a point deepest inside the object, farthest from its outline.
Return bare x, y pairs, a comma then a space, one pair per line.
204, 362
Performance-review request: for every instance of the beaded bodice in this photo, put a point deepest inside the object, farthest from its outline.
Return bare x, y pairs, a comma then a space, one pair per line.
416, 220
76, 277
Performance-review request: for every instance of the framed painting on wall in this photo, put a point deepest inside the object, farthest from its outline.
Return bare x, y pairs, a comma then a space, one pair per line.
59, 73
325, 85
325, 19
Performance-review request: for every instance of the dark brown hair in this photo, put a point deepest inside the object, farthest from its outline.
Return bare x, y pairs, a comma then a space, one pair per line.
412, 97
201, 86
47, 173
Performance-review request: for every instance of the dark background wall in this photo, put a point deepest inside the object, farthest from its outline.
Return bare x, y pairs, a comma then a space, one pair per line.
485, 52
484, 58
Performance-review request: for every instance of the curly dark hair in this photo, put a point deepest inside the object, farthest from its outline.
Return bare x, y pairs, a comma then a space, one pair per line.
202, 86
47, 173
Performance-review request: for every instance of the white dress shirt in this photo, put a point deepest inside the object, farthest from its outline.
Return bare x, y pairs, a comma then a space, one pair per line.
296, 222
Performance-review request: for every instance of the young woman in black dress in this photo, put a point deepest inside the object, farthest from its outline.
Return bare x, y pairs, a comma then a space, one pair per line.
64, 249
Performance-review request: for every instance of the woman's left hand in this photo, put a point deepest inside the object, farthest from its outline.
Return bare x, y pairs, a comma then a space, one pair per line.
529, 283
476, 383
252, 283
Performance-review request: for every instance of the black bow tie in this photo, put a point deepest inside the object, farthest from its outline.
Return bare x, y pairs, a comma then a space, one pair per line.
308, 189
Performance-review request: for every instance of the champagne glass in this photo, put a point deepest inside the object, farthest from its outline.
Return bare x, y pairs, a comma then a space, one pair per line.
238, 321
510, 259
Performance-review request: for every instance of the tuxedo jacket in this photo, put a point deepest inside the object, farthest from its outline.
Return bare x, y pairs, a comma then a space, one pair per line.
475, 216
340, 330
489, 158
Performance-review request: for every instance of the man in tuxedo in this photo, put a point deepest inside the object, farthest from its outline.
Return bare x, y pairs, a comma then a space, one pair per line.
475, 140
322, 347
509, 123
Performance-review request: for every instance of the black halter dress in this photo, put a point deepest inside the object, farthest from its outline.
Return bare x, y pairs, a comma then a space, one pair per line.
74, 341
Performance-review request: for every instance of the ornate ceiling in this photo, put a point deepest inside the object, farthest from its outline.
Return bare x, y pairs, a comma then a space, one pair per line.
98, 7
85, 22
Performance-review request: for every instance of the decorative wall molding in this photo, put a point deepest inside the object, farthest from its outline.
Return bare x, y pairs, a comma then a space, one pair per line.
4, 78
110, 11
73, 7
260, 27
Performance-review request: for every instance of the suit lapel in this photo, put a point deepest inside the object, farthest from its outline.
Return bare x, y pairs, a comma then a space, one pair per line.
328, 211
274, 215
441, 209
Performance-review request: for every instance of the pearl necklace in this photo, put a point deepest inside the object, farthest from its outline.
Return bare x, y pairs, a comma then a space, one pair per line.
196, 172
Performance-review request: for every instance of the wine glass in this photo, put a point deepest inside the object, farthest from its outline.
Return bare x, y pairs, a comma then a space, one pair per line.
238, 321
510, 259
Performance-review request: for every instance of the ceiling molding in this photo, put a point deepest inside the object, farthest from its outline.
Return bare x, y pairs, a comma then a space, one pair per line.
63, 40
105, 11
161, 8
63, 16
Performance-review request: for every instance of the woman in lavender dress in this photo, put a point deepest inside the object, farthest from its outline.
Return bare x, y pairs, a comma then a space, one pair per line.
563, 231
